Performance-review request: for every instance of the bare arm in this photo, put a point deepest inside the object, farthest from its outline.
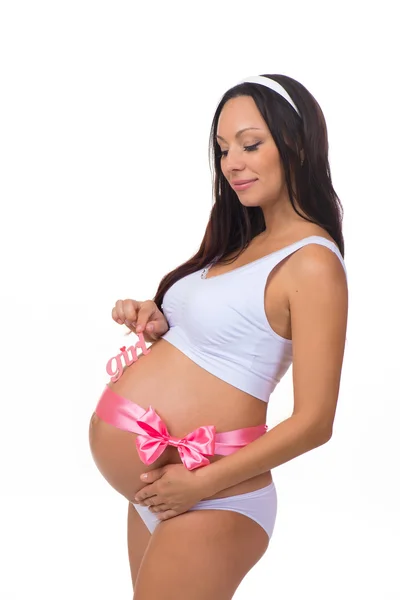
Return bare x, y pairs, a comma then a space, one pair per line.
318, 299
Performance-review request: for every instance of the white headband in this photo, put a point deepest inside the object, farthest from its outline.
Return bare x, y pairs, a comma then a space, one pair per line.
273, 85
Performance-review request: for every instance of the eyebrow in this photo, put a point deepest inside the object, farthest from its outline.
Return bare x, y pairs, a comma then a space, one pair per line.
239, 132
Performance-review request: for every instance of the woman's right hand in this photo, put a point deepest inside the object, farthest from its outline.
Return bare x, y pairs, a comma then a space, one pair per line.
141, 317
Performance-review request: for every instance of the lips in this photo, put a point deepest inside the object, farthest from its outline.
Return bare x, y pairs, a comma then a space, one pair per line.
242, 184
242, 181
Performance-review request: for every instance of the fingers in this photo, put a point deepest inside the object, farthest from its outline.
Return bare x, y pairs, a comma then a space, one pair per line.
125, 311
168, 514
159, 508
145, 494
151, 320
152, 501
141, 317
132, 313
145, 314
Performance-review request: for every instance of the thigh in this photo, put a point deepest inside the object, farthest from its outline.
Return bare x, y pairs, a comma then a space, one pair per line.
138, 540
201, 555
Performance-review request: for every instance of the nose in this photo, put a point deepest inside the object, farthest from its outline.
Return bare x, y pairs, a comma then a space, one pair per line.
234, 161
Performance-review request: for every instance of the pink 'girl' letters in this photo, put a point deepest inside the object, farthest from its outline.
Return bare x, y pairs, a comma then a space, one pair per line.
115, 373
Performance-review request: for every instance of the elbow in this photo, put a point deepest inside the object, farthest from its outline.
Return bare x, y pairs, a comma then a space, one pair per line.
323, 435
314, 432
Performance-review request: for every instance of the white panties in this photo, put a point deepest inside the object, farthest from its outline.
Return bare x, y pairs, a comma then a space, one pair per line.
260, 506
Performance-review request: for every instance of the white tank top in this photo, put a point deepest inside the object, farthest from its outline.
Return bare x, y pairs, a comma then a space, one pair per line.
221, 325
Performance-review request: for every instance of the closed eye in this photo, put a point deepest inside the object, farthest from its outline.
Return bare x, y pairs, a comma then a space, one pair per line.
253, 147
246, 148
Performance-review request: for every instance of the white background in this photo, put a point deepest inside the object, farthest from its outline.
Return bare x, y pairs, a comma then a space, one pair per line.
105, 112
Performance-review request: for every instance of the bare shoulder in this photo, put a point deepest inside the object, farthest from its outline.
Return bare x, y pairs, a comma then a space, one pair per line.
316, 260
315, 276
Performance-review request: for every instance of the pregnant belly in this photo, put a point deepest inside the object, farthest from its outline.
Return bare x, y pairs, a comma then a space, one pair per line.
185, 396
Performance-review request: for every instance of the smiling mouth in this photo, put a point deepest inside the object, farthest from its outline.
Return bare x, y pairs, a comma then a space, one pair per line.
242, 185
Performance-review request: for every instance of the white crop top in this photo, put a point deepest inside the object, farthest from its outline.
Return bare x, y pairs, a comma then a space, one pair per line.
221, 325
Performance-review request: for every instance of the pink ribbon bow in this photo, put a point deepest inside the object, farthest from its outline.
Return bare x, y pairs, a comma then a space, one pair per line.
191, 448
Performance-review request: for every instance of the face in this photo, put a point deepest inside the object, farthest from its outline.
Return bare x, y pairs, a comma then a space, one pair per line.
249, 153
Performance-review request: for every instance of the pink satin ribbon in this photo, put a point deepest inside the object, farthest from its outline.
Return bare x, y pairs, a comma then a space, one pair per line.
153, 436
192, 448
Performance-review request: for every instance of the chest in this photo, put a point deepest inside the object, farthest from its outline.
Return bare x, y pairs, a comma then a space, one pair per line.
223, 305
276, 303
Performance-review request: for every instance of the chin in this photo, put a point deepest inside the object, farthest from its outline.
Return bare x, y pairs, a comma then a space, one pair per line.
250, 202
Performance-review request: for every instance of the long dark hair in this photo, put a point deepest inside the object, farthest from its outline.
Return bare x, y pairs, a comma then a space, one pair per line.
232, 226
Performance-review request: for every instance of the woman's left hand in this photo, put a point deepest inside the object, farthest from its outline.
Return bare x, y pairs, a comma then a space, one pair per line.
171, 490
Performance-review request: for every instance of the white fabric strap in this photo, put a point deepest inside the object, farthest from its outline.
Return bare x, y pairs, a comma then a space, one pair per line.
272, 85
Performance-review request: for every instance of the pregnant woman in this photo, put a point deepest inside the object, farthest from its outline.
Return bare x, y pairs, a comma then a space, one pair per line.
267, 289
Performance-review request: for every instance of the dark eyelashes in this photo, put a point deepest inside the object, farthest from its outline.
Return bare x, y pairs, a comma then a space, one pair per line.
247, 149
253, 147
